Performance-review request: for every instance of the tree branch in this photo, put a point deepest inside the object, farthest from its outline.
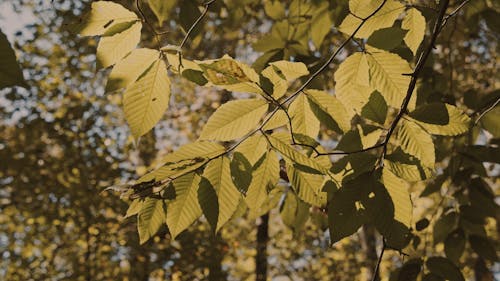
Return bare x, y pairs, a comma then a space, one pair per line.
414, 76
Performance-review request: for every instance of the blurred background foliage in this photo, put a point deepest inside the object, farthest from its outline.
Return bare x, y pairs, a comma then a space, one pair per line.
64, 140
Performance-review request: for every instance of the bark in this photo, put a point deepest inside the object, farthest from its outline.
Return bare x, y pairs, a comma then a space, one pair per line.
261, 257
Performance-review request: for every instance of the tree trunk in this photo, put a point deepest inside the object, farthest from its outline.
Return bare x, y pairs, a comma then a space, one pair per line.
369, 244
261, 257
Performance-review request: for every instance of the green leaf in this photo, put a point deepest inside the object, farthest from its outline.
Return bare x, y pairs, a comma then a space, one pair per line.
454, 245
134, 208
417, 142
146, 100
207, 198
290, 70
414, 22
112, 49
162, 8
375, 109
458, 122
103, 16
483, 247
400, 196
184, 209
253, 148
432, 113
335, 116
491, 122
294, 212
128, 70
444, 268
10, 73
241, 172
353, 82
320, 21
444, 226
219, 174
409, 172
409, 271
231, 75
346, 213
295, 156
274, 9
279, 83
234, 119
151, 217
263, 179
386, 38
307, 186
385, 17
303, 119
387, 76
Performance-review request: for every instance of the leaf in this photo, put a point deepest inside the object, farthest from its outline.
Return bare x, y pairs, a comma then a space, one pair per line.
353, 82
184, 209
103, 16
253, 148
274, 9
263, 179
146, 100
337, 117
234, 119
454, 245
400, 196
290, 70
432, 113
241, 172
409, 172
207, 198
444, 226
417, 142
279, 119
128, 70
134, 208
385, 17
386, 76
375, 109
491, 122
444, 268
303, 119
320, 21
231, 75
151, 217
219, 174
162, 8
307, 186
294, 212
458, 123
346, 214
387, 38
10, 73
289, 152
414, 22
112, 49
187, 158
279, 83
483, 247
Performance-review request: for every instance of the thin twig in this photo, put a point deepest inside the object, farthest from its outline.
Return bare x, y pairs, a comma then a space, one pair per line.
452, 14
376, 275
145, 20
190, 30
490, 108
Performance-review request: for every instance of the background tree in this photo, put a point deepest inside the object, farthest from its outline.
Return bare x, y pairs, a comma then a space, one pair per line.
454, 210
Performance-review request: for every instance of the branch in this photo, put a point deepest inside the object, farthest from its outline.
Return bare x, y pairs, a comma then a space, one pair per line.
414, 76
376, 275
158, 186
488, 109
145, 20
452, 14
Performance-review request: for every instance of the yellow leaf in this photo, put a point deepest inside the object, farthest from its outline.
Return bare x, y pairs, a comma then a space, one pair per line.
112, 49
414, 22
102, 16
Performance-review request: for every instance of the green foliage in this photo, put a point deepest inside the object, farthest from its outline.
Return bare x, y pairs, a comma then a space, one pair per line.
264, 147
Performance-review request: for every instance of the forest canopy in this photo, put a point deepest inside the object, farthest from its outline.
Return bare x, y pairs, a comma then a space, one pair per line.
251, 140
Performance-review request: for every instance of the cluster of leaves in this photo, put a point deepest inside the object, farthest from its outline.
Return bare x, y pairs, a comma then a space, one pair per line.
268, 150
